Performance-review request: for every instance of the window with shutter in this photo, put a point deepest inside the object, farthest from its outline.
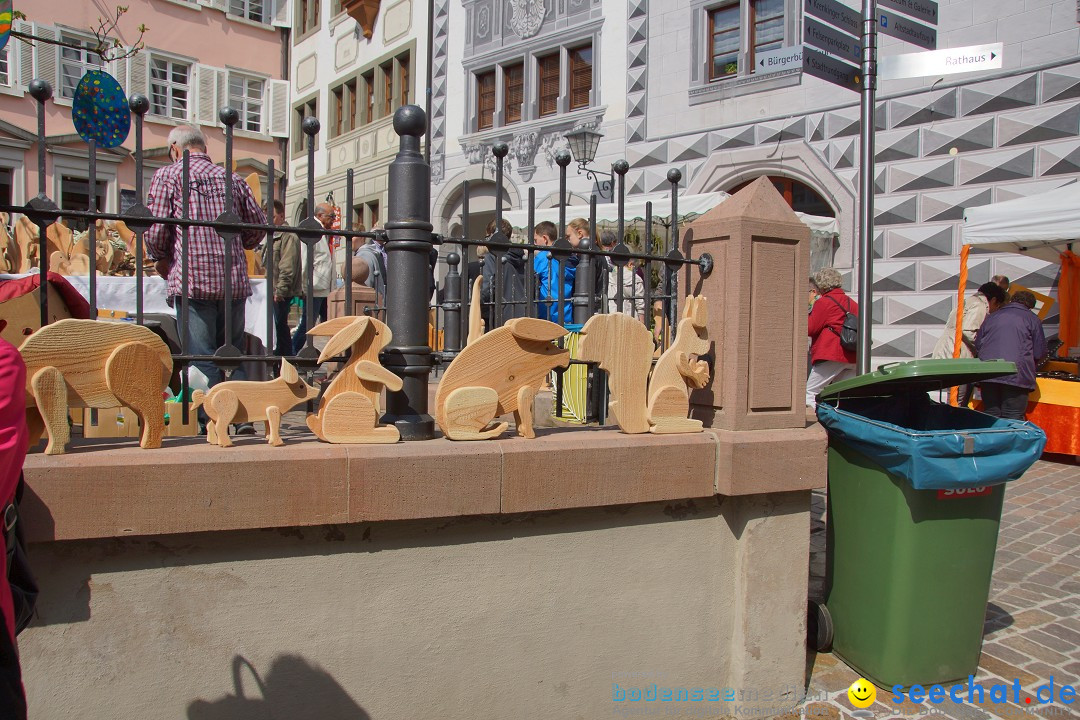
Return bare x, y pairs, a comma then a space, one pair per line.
387, 72
170, 87
403, 78
5, 71
548, 74
246, 97
208, 96
339, 111
513, 92
75, 62
581, 76
369, 97
26, 53
485, 100
767, 26
279, 108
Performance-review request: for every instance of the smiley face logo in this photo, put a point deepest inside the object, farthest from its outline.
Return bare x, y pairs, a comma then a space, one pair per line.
861, 693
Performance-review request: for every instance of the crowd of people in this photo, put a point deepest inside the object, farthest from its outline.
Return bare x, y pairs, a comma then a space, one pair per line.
994, 326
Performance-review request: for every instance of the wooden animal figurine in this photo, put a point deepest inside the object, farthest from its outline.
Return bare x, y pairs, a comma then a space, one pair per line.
26, 238
476, 320
499, 372
10, 256
238, 401
69, 264
679, 369
623, 347
349, 410
89, 364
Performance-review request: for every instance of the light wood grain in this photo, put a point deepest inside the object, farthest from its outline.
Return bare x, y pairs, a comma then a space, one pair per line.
239, 401
505, 360
351, 418
468, 412
79, 352
21, 316
623, 348
50, 395
10, 255
26, 238
358, 385
476, 322
679, 369
132, 373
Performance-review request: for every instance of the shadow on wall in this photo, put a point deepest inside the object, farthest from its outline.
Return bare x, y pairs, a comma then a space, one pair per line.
293, 689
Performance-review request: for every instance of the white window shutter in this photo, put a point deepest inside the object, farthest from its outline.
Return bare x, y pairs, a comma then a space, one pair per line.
47, 56
282, 14
25, 54
139, 74
119, 69
207, 100
278, 108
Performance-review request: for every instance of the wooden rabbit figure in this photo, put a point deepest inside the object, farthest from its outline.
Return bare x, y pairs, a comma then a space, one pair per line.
680, 369
349, 410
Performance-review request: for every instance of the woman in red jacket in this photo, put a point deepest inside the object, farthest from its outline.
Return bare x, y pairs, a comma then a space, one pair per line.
829, 362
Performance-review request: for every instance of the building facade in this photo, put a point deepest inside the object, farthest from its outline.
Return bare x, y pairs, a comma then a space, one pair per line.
352, 76
198, 57
672, 84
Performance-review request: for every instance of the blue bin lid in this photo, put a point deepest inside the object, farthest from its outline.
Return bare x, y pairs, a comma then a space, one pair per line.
918, 376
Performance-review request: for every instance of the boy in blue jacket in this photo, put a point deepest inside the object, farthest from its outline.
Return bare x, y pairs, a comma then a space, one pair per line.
548, 269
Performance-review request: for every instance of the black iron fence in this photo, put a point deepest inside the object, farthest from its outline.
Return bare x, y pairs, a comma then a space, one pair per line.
417, 316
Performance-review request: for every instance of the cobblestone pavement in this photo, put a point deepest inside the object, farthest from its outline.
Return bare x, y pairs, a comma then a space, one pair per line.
1032, 628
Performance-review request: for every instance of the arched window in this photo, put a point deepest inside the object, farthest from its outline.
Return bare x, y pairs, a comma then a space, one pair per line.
798, 195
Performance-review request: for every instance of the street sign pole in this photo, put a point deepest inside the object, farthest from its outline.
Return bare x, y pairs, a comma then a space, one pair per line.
866, 184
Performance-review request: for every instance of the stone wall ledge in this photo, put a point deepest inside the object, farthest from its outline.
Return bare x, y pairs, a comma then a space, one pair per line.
116, 489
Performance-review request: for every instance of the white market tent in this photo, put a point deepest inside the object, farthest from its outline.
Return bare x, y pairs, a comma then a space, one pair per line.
690, 206
1040, 226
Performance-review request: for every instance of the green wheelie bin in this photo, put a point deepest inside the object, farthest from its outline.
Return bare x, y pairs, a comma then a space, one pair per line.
915, 491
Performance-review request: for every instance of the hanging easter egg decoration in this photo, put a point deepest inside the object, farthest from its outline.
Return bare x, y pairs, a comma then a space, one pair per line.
99, 110
5, 22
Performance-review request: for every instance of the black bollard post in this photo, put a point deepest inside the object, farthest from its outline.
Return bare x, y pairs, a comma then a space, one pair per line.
408, 289
452, 305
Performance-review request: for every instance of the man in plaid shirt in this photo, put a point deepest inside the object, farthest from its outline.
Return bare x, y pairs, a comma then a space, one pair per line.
206, 249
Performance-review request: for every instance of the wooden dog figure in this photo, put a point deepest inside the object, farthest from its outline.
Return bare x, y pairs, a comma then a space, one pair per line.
349, 410
679, 369
623, 347
237, 401
84, 363
499, 372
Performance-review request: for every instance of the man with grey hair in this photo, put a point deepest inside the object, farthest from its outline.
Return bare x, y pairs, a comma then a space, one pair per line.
205, 268
829, 361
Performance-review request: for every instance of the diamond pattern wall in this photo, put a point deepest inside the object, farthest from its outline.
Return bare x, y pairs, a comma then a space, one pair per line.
894, 276
1017, 190
1039, 125
1061, 83
997, 166
894, 210
998, 95
919, 109
920, 241
1027, 271
943, 275
896, 145
893, 343
941, 138
1059, 158
922, 175
918, 309
951, 205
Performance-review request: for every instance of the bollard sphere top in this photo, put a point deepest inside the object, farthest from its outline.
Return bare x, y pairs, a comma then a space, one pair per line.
139, 104
453, 259
40, 90
228, 116
410, 120
621, 167
562, 158
310, 126
674, 175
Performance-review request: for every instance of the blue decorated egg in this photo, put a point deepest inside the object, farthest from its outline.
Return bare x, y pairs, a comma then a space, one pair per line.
99, 110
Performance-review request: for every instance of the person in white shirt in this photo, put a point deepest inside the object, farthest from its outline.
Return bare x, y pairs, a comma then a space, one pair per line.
323, 276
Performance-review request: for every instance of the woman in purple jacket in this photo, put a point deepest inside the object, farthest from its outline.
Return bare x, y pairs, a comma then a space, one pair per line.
1011, 333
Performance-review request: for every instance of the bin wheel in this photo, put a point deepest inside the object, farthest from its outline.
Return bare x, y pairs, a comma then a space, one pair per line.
819, 627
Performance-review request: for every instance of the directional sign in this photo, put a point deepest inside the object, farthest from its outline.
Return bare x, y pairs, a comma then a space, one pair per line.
941, 62
829, 68
832, 12
832, 41
898, 26
922, 9
773, 61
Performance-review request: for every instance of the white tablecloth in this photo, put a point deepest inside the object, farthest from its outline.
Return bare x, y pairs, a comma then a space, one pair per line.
118, 293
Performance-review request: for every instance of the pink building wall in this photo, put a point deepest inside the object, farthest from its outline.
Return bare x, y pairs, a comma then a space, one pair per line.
184, 30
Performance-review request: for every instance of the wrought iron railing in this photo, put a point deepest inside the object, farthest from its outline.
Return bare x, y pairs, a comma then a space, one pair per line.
408, 239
